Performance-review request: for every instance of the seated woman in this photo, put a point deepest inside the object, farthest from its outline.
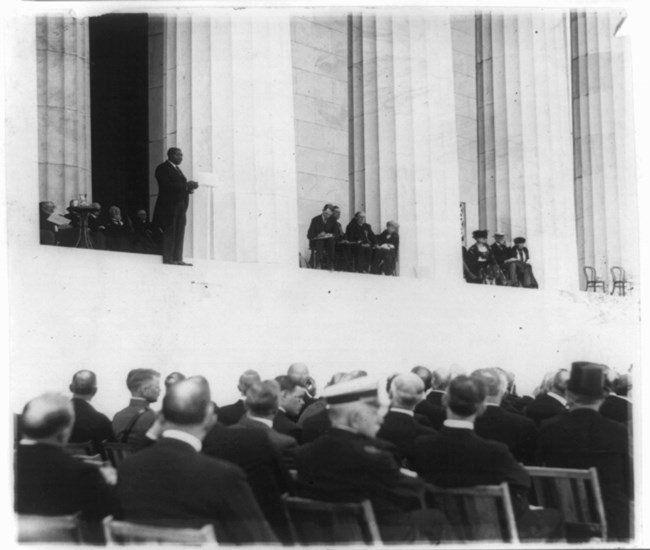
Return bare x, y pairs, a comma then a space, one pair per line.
524, 271
385, 254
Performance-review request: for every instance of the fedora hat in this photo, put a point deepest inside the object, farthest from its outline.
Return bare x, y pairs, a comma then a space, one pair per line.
587, 379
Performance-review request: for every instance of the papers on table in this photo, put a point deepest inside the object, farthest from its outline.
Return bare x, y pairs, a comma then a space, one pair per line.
58, 219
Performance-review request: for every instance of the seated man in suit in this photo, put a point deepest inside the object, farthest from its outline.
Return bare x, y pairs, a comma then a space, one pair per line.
617, 405
89, 424
386, 253
321, 239
300, 373
348, 464
583, 438
431, 407
523, 269
268, 477
173, 484
262, 402
50, 481
514, 430
399, 426
361, 240
130, 425
233, 413
504, 260
551, 403
458, 457
290, 405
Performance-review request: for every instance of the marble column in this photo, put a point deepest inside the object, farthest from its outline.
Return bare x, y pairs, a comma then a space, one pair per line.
63, 74
404, 150
603, 139
525, 144
221, 90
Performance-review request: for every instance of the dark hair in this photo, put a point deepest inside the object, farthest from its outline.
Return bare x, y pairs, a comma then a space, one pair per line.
262, 398
438, 381
287, 383
174, 378
48, 425
328, 206
465, 395
84, 382
139, 377
425, 374
389, 381
173, 150
186, 402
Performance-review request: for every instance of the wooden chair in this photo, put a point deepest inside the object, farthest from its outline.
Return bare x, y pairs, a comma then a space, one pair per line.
574, 493
81, 449
318, 522
618, 280
116, 452
49, 529
592, 279
124, 532
481, 513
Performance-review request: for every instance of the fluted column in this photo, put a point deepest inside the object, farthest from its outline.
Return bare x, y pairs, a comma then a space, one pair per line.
223, 89
63, 74
605, 185
404, 150
525, 147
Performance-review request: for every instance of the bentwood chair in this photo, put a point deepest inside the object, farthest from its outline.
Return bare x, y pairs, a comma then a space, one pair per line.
592, 280
618, 280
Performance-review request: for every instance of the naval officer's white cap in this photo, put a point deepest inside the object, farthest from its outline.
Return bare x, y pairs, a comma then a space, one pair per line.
365, 387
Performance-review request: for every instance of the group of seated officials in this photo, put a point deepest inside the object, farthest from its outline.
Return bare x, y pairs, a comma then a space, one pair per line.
498, 263
357, 249
107, 230
194, 463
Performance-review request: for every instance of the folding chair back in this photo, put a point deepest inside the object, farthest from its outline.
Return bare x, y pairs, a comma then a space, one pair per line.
116, 452
124, 532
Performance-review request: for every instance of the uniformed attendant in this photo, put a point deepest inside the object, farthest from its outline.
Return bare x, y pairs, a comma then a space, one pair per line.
348, 464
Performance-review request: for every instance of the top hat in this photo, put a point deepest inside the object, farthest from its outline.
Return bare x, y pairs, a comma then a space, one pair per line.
587, 379
480, 234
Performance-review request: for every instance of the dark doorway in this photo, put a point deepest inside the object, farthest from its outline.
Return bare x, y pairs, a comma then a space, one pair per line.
119, 111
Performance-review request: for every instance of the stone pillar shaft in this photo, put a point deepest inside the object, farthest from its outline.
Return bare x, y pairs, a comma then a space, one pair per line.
405, 163
224, 92
63, 74
525, 160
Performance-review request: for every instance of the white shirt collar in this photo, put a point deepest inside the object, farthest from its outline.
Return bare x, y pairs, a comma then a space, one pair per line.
28, 441
185, 437
265, 421
402, 411
461, 424
622, 397
492, 404
557, 397
282, 409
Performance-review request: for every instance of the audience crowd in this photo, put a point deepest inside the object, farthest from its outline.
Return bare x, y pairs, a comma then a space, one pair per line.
193, 463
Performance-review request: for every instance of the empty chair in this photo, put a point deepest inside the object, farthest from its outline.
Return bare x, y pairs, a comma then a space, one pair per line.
116, 452
317, 522
80, 449
481, 513
48, 529
124, 532
592, 279
618, 280
574, 493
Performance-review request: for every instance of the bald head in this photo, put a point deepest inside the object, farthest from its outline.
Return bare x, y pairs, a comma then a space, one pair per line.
299, 372
495, 381
560, 382
247, 379
406, 391
84, 384
48, 417
187, 403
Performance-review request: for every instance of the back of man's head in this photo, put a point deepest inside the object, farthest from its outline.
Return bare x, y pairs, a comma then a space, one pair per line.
187, 403
465, 396
287, 383
262, 398
137, 379
247, 379
425, 374
84, 384
495, 382
439, 380
174, 378
48, 416
406, 391
298, 371
623, 385
560, 381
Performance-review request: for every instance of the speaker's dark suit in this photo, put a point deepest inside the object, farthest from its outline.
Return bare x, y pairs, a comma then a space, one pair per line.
284, 425
514, 430
231, 414
542, 407
285, 445
252, 451
616, 408
171, 207
51, 482
170, 483
402, 430
348, 467
457, 457
583, 439
90, 425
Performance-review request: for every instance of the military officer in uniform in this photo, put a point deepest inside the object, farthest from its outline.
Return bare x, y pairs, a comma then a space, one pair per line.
348, 464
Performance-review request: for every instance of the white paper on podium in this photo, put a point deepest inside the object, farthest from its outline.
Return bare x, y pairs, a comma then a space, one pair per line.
58, 219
